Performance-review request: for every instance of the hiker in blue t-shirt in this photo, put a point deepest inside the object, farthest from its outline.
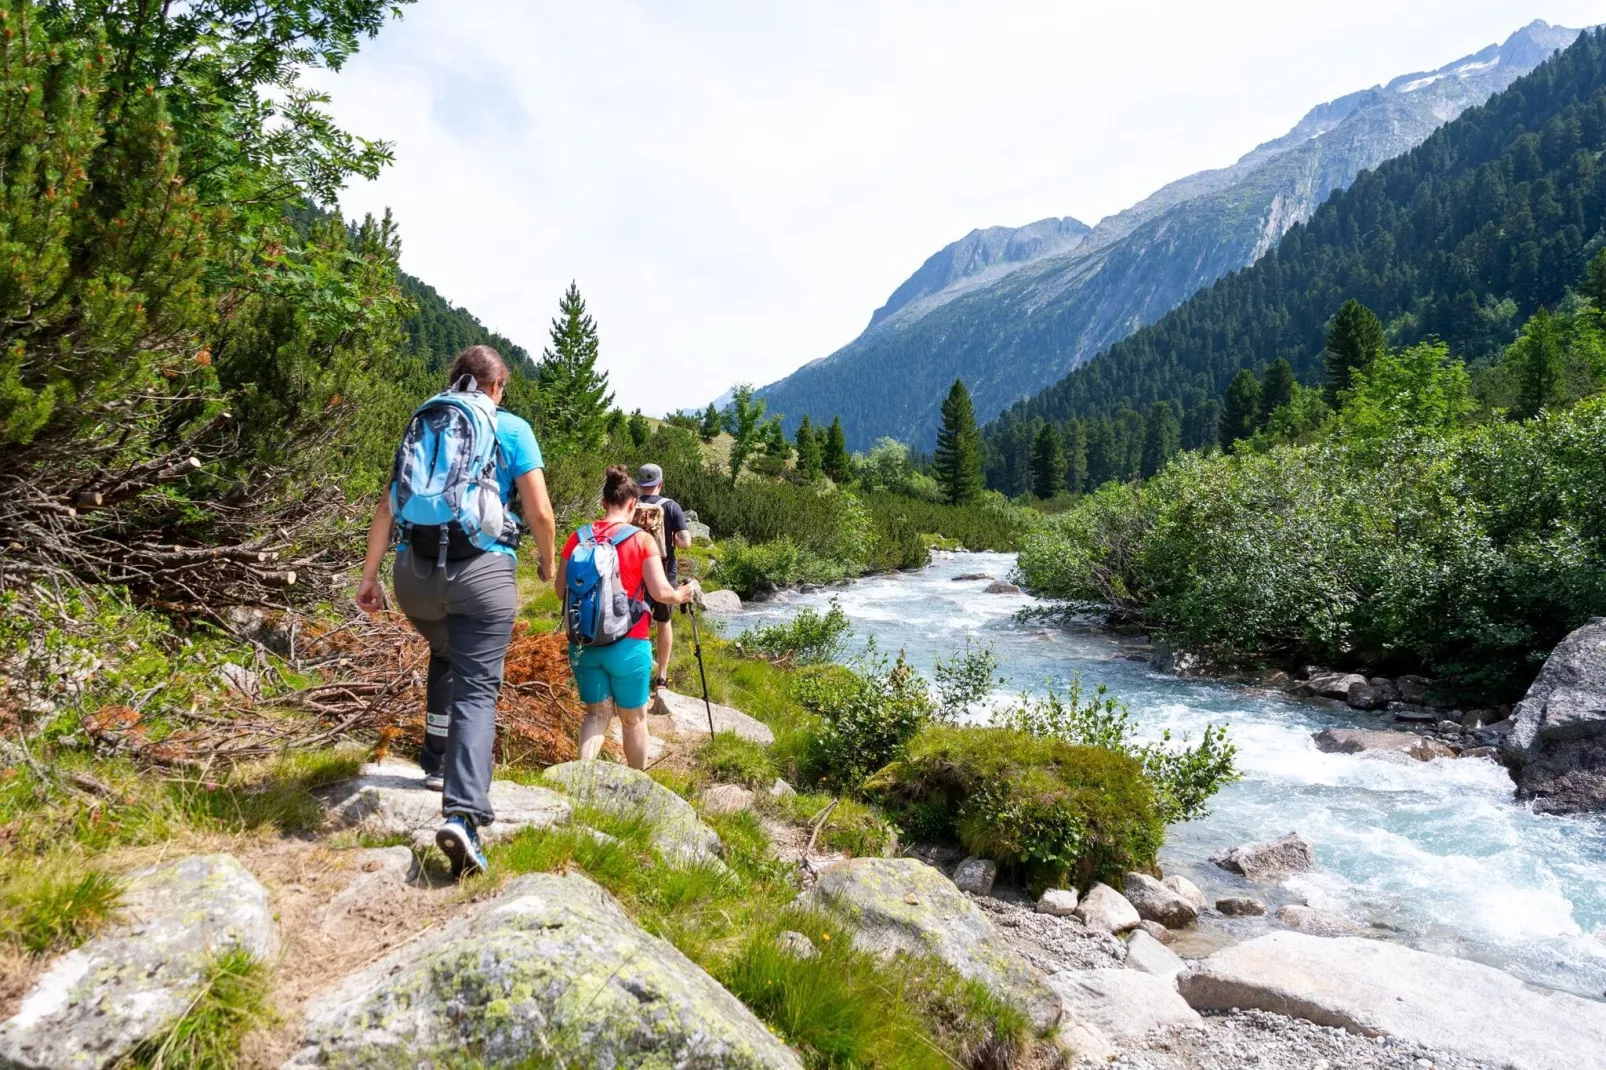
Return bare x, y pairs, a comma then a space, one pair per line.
464, 602
677, 535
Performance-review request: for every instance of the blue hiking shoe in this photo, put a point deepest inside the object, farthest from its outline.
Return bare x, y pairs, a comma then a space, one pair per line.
458, 840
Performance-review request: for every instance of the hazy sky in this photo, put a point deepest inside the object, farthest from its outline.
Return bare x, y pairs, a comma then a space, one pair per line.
737, 185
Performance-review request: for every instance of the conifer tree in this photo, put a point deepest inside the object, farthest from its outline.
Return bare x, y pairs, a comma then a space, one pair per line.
1162, 437
773, 437
743, 419
1593, 284
1353, 341
1537, 362
1276, 390
712, 424
958, 455
1240, 412
638, 427
574, 394
1048, 463
834, 457
810, 455
1075, 437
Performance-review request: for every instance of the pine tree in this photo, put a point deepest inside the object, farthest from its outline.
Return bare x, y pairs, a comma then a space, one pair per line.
1276, 390
1537, 356
810, 455
638, 427
1075, 456
712, 424
1353, 341
773, 437
1593, 284
958, 456
1048, 463
574, 394
834, 457
1241, 410
1162, 437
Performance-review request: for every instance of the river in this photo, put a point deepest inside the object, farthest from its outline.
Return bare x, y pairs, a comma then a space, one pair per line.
1435, 854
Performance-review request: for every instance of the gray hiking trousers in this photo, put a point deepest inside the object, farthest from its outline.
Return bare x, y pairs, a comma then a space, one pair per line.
465, 609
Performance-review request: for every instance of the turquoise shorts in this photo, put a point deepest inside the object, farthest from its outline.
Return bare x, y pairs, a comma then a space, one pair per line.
621, 671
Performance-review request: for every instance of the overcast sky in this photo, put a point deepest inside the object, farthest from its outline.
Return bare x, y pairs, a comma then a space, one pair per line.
736, 186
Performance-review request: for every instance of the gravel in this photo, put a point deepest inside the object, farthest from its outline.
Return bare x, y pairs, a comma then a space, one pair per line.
1050, 943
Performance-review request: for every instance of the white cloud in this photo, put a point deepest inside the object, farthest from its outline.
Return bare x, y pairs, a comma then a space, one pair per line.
735, 186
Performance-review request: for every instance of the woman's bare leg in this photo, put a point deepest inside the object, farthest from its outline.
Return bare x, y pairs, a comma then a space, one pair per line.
634, 723
594, 729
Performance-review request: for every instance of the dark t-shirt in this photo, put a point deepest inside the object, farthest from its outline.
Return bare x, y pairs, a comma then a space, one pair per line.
674, 523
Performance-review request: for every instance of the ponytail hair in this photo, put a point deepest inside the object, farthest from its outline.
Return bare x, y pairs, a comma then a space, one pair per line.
617, 486
484, 364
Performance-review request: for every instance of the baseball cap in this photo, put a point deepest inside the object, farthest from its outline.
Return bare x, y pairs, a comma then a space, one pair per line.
649, 475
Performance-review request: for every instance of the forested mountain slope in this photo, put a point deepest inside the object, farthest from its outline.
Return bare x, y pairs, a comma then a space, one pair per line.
439, 330
1009, 333
1462, 238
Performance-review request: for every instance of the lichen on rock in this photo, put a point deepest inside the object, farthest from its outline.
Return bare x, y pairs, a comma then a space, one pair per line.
678, 833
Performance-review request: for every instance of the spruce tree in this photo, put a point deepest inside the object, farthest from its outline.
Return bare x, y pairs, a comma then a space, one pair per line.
773, 437
958, 456
834, 457
810, 455
1593, 284
1276, 390
1162, 437
574, 394
1240, 412
639, 429
1537, 357
1353, 341
1048, 463
712, 424
1075, 456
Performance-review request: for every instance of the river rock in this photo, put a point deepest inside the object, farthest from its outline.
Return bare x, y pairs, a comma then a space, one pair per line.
550, 972
1377, 988
1385, 690
901, 904
1060, 902
969, 576
1001, 587
1186, 889
678, 833
1317, 922
726, 799
1267, 859
1378, 741
390, 799
720, 602
1336, 685
1557, 746
95, 1004
1363, 696
1412, 689
976, 876
1122, 1005
1148, 955
1107, 909
1155, 902
1176, 662
1240, 906
689, 718
1158, 931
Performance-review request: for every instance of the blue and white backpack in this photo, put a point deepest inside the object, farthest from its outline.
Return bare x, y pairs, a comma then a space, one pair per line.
444, 489
597, 610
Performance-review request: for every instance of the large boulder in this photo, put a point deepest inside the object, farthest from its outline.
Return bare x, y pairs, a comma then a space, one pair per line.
720, 601
1106, 909
94, 1005
1334, 685
688, 718
1001, 587
1317, 922
1147, 955
1269, 859
1186, 889
550, 972
896, 905
1377, 741
678, 833
1156, 902
1557, 746
1121, 1005
390, 799
1383, 989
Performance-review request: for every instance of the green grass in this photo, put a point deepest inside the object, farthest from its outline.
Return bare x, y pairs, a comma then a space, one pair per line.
233, 1000
853, 827
728, 758
55, 904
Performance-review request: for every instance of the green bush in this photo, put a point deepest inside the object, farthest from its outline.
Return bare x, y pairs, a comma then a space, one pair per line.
754, 568
1054, 811
808, 638
866, 717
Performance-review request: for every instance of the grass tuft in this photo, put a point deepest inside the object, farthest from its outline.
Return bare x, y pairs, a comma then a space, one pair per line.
730, 758
233, 1000
54, 906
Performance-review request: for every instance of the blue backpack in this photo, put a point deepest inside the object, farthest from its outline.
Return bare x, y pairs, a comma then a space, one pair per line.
597, 610
444, 489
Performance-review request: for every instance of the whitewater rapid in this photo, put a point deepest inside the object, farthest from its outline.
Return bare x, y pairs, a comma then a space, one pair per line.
1435, 854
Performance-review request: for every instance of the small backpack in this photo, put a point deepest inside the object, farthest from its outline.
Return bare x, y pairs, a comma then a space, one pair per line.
444, 490
596, 609
650, 518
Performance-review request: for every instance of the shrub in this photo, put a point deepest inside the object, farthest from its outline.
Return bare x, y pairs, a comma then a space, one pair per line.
866, 718
965, 678
1047, 808
751, 568
808, 638
852, 827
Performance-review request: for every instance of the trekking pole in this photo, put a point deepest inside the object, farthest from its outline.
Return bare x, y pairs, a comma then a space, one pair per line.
702, 673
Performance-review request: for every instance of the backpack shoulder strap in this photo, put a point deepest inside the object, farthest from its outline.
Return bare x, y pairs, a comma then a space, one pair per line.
583, 535
624, 532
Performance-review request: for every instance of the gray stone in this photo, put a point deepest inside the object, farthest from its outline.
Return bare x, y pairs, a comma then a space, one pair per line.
1155, 902
94, 1005
1150, 956
1363, 696
390, 799
1385, 690
1377, 988
678, 833
1240, 906
1335, 685
1267, 859
1060, 902
1156, 930
1187, 889
893, 905
1122, 1005
699, 531
1106, 909
1001, 587
689, 718
1317, 922
720, 601
969, 576
726, 799
796, 943
239, 679
551, 971
1556, 749
1176, 662
782, 790
1378, 741
976, 876
1412, 689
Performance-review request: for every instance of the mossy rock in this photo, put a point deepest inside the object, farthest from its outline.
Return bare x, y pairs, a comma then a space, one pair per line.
678, 833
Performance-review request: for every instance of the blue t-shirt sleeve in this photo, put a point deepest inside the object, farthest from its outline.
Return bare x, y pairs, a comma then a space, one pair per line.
523, 453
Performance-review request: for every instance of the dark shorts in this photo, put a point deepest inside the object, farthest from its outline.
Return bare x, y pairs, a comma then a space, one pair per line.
662, 613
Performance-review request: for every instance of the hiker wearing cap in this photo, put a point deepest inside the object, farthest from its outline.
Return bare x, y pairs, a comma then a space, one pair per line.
456, 469
606, 573
677, 535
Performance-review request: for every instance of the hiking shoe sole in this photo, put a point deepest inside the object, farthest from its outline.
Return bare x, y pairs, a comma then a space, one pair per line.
435, 783
459, 851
